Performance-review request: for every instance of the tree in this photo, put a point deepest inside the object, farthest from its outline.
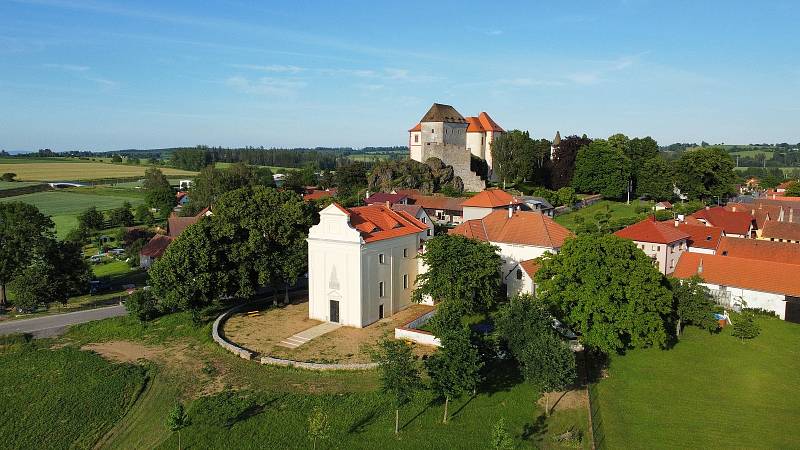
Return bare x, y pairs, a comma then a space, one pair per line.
155, 179
640, 150
562, 166
351, 176
620, 142
30, 288
8, 177
793, 190
177, 420
608, 290
143, 215
454, 368
546, 360
566, 196
318, 425
116, 158
501, 438
603, 169
705, 173
266, 230
461, 271
122, 216
399, 374
263, 176
23, 231
91, 219
693, 304
515, 156
142, 305
655, 179
161, 199
746, 327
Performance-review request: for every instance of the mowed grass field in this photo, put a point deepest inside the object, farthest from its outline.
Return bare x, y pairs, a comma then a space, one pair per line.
63, 206
616, 209
4, 185
76, 170
63, 398
709, 391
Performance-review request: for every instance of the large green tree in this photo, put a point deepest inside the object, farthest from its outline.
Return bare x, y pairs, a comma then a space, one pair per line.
562, 166
399, 373
161, 199
23, 231
57, 272
154, 179
655, 179
463, 272
705, 173
608, 290
603, 169
91, 219
515, 155
266, 230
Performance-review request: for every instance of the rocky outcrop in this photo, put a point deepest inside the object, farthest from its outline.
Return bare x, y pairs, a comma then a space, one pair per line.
430, 177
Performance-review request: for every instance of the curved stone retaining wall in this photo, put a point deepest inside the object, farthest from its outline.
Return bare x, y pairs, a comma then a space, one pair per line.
219, 338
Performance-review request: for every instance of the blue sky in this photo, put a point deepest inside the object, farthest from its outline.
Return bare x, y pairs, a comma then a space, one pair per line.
99, 75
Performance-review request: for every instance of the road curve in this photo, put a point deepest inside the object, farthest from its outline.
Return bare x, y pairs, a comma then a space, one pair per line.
53, 325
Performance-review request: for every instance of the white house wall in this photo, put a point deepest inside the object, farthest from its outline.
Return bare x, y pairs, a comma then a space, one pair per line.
390, 273
756, 299
521, 286
513, 254
334, 273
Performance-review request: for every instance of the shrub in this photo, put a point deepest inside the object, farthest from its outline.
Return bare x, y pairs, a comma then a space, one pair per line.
143, 305
663, 215
745, 327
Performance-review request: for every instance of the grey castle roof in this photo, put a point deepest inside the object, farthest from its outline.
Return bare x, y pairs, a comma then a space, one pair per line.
557, 139
443, 113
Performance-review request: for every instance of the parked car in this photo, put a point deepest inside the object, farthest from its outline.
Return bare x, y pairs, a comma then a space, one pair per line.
117, 251
96, 259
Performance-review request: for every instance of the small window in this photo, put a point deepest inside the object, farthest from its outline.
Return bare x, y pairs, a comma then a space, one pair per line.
519, 274
429, 231
424, 219
381, 290
405, 281
416, 138
405, 253
381, 258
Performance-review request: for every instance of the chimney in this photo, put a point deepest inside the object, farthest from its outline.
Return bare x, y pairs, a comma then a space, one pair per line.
510, 209
791, 214
753, 212
388, 205
707, 207
366, 194
700, 266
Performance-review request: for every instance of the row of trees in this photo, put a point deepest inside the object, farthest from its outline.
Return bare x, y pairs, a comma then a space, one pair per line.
320, 157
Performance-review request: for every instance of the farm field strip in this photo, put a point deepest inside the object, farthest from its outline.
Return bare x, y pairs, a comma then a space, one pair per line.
76, 171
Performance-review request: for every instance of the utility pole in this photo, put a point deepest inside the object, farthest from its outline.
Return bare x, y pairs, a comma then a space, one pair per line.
630, 186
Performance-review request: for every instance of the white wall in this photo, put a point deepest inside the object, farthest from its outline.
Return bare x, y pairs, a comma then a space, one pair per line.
391, 272
755, 299
415, 145
476, 144
706, 251
474, 212
516, 286
666, 255
513, 254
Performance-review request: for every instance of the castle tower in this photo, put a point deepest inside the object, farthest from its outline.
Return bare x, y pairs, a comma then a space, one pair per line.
554, 146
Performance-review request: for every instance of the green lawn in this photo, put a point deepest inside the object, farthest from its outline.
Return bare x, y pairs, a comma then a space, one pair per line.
5, 185
618, 210
65, 205
63, 398
709, 391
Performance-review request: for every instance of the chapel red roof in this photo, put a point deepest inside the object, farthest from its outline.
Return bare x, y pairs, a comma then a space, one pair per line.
377, 222
648, 230
523, 227
767, 276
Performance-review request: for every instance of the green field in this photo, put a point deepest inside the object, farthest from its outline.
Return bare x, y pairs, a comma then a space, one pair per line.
5, 185
709, 391
63, 398
64, 205
63, 169
618, 210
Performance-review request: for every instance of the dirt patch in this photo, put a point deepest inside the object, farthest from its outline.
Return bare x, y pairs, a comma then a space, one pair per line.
261, 331
563, 400
124, 351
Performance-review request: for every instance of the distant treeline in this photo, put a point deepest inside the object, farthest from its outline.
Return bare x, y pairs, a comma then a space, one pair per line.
196, 158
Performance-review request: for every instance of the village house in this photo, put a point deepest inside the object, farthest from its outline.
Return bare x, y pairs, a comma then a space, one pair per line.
445, 134
443, 210
520, 235
702, 238
488, 201
158, 244
520, 279
419, 213
362, 263
737, 282
384, 197
316, 194
733, 223
781, 232
537, 204
661, 206
663, 242
759, 250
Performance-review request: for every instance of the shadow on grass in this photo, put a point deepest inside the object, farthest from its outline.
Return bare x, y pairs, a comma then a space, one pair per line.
499, 376
535, 430
416, 416
360, 425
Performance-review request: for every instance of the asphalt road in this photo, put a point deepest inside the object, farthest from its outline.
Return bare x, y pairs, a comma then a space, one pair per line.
48, 326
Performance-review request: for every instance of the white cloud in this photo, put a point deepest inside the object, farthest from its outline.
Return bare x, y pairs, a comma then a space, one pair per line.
265, 86
493, 32
68, 67
275, 68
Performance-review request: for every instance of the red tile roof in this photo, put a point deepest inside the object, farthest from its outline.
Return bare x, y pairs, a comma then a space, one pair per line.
488, 124
648, 230
701, 236
156, 246
474, 125
491, 198
760, 250
317, 194
383, 197
781, 230
774, 277
731, 222
417, 127
176, 224
665, 204
411, 209
377, 222
530, 267
523, 227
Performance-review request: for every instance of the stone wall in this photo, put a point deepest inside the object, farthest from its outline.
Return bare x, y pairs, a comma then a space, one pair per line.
458, 157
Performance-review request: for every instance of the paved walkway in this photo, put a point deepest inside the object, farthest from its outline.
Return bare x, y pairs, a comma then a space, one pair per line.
55, 324
304, 336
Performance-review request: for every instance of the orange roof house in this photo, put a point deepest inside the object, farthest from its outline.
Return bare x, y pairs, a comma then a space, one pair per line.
648, 230
528, 228
759, 250
377, 222
732, 222
486, 201
781, 231
773, 277
701, 236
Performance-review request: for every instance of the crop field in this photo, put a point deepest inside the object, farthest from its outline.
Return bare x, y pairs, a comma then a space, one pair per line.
76, 170
709, 391
63, 206
63, 398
